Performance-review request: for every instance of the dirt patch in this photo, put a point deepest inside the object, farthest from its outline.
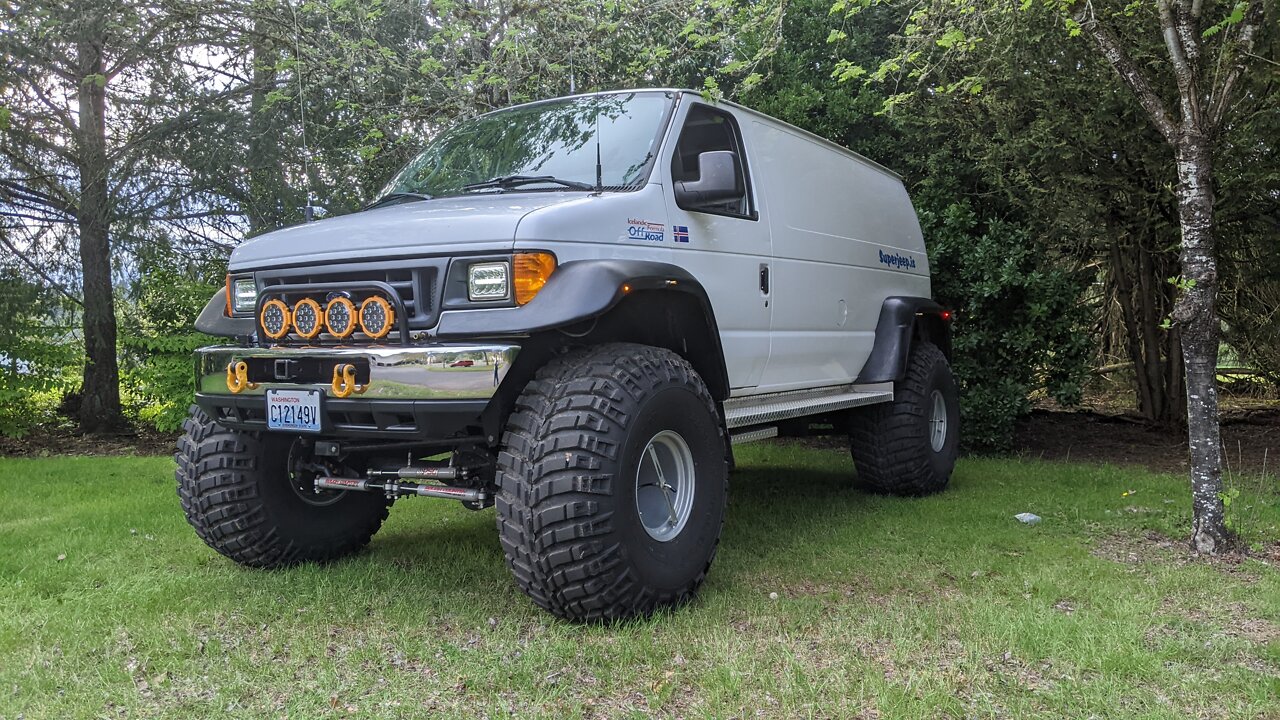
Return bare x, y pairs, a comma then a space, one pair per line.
57, 440
1240, 562
1250, 441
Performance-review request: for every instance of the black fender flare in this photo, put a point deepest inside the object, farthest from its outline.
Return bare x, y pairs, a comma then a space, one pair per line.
902, 319
213, 319
583, 290
578, 290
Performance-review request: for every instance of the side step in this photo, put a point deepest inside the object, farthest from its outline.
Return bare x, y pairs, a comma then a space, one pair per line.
741, 412
754, 434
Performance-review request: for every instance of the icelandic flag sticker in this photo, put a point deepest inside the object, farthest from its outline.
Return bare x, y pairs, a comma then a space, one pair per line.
680, 233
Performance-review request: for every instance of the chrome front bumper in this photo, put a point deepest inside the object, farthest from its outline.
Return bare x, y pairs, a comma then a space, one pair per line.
444, 371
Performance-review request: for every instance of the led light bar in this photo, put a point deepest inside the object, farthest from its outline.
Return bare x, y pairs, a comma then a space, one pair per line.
307, 320
340, 317
376, 317
275, 319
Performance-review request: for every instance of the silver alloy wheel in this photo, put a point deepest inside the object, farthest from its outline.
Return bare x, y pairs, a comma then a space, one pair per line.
938, 422
664, 486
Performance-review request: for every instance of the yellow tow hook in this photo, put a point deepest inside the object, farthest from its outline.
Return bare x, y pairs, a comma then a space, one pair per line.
238, 377
344, 381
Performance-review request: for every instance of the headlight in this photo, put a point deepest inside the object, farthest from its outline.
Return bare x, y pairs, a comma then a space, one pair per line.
243, 294
487, 281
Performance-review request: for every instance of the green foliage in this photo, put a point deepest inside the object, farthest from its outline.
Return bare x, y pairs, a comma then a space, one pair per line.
1019, 324
41, 355
157, 339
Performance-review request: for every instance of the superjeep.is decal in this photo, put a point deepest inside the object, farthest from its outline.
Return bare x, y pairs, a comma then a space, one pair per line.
645, 230
900, 262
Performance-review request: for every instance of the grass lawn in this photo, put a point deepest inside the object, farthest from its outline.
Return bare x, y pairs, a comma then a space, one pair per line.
942, 607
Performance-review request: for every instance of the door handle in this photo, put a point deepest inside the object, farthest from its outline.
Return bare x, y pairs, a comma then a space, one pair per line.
764, 279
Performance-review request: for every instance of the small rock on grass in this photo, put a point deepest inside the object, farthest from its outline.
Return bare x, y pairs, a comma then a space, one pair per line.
1028, 518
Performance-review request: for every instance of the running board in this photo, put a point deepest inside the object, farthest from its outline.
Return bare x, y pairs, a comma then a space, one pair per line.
753, 435
759, 409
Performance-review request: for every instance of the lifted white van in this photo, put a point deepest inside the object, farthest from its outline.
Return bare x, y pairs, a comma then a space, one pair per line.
571, 309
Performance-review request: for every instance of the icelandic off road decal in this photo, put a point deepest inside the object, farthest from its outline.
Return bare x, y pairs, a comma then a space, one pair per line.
645, 230
680, 233
899, 262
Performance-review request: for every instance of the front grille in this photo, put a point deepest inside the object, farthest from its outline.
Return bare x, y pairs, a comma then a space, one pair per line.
416, 283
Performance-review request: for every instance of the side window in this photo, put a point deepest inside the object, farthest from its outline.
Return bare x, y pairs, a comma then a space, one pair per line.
707, 129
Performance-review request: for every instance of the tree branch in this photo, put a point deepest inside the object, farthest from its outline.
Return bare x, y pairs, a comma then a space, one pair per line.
1220, 97
11, 190
4, 239
1128, 71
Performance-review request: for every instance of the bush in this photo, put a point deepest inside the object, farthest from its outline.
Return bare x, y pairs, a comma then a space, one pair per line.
41, 356
1019, 326
157, 341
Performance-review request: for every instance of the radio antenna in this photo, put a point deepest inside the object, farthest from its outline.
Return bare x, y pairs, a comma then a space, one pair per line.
308, 210
599, 166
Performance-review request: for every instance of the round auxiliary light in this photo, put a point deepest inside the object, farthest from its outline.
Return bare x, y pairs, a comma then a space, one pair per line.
376, 317
340, 317
307, 318
275, 319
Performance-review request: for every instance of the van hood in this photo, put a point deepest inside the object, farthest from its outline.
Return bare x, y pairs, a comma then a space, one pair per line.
467, 223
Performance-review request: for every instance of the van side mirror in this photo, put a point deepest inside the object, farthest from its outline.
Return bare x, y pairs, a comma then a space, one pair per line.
717, 179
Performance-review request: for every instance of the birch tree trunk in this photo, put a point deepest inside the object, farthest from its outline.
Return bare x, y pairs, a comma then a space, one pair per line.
1202, 105
1197, 317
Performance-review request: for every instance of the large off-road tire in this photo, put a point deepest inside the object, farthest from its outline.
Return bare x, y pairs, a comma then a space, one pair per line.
584, 523
909, 446
237, 493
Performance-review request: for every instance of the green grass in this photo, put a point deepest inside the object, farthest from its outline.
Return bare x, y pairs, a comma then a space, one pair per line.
892, 608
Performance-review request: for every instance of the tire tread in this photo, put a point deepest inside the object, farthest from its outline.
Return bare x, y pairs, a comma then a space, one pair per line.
566, 430
886, 440
218, 472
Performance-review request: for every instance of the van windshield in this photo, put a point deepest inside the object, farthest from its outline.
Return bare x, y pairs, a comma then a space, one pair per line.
522, 148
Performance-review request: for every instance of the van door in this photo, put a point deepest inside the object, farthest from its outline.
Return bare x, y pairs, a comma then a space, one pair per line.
725, 243
829, 211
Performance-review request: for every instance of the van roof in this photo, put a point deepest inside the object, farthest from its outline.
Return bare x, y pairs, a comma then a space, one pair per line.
686, 91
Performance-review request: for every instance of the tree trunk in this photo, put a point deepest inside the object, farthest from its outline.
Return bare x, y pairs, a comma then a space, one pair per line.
1121, 273
1154, 351
1197, 318
100, 395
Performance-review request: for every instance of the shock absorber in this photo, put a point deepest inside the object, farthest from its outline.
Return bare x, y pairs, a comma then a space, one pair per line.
399, 483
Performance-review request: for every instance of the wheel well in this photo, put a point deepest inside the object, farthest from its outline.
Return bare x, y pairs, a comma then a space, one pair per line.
678, 321
931, 327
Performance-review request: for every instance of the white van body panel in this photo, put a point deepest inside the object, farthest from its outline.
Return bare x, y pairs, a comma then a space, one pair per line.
836, 231
726, 263
844, 238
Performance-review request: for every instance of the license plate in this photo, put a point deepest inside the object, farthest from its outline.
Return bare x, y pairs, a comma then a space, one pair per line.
293, 410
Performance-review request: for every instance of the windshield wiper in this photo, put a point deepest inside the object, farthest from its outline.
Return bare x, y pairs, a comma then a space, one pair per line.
510, 181
397, 197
